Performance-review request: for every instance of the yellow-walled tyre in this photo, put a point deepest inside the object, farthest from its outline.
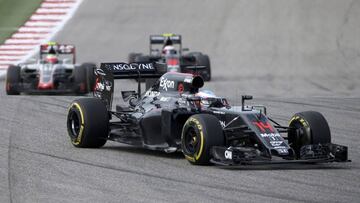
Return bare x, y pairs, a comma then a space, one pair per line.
306, 128
87, 123
199, 134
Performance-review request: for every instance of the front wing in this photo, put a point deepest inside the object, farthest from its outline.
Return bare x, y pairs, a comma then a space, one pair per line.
228, 156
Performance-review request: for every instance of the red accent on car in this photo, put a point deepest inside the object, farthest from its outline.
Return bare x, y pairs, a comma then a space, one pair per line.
180, 87
263, 126
82, 86
173, 62
45, 86
96, 82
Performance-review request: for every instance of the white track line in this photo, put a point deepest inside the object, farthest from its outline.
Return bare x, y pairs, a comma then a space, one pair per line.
60, 5
10, 57
46, 17
34, 29
40, 23
21, 41
45, 22
52, 11
30, 35
13, 52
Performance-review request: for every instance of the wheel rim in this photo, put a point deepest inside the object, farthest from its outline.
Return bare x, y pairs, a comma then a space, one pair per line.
74, 124
191, 140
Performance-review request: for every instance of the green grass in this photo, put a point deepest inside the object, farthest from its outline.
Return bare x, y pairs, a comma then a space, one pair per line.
13, 14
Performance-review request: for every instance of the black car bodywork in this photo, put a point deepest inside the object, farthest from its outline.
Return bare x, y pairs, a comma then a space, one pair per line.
173, 116
176, 60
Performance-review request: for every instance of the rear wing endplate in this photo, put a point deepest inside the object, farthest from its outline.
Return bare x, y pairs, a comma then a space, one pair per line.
160, 39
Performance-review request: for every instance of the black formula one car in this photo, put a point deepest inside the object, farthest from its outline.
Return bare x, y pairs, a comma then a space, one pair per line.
167, 49
174, 115
55, 72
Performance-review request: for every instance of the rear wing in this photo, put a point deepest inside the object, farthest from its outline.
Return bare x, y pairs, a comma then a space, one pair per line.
164, 39
60, 49
131, 71
160, 39
105, 75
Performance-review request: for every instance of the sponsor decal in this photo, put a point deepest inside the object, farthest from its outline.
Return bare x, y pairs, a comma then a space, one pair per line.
66, 48
130, 67
274, 139
276, 143
152, 93
165, 83
101, 86
99, 71
228, 154
222, 123
165, 99
188, 80
271, 135
282, 151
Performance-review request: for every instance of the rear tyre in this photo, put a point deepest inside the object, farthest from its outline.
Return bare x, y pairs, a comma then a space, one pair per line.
90, 75
204, 60
200, 133
87, 123
80, 80
142, 59
132, 57
13, 80
306, 128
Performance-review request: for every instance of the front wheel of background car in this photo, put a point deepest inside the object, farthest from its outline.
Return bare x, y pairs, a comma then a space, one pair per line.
90, 76
200, 133
80, 80
87, 123
13, 80
307, 128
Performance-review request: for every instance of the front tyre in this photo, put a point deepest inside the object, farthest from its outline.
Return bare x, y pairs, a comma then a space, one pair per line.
87, 123
307, 128
80, 80
200, 133
13, 80
90, 76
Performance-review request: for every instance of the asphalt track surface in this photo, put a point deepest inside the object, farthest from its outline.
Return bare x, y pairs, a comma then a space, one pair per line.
291, 55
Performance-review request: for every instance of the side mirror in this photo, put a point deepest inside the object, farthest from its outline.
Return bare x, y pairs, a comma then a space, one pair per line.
243, 98
31, 60
67, 61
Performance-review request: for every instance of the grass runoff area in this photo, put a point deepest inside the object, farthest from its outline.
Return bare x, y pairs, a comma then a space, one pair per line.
13, 14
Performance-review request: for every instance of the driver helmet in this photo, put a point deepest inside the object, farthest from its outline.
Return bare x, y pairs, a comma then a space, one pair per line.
209, 98
52, 47
51, 58
169, 50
